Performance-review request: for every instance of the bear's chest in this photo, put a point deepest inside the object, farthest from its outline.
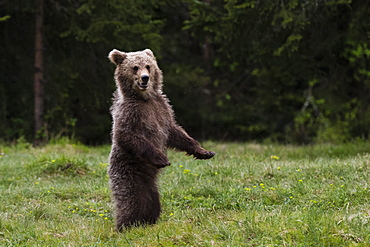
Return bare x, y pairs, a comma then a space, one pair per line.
154, 120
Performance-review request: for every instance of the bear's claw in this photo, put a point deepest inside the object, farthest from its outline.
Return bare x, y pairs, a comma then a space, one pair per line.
160, 161
163, 165
204, 155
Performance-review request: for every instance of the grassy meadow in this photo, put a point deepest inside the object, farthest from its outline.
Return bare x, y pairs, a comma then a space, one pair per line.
248, 195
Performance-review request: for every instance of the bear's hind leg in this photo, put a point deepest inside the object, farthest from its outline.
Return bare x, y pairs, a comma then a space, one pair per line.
123, 212
153, 209
141, 209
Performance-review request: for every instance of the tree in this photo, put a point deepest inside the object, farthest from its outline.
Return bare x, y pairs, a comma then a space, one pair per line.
273, 57
39, 73
287, 70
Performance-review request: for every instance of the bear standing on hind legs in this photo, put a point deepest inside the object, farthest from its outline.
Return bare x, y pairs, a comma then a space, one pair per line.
143, 128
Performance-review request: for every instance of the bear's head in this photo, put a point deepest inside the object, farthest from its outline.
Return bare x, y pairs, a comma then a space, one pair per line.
137, 73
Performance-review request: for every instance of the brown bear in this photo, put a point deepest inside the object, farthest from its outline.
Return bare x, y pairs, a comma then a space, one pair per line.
144, 127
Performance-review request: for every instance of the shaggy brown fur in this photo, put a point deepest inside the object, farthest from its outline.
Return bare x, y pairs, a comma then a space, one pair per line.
143, 128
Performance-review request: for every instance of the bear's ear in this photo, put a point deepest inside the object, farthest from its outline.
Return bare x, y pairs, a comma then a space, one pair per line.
149, 52
116, 56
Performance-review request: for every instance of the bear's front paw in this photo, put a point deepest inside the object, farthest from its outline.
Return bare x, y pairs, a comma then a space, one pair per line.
204, 155
162, 165
161, 162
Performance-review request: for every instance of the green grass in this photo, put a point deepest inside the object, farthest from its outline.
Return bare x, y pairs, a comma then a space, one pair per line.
248, 195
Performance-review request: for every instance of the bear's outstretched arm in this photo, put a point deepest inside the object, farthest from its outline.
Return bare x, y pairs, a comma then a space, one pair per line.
145, 150
180, 140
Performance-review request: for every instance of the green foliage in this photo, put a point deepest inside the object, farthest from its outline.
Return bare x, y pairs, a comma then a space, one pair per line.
4, 18
283, 50
290, 71
63, 166
249, 194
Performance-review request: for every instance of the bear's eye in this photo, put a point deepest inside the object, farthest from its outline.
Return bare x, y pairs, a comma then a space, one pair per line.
136, 68
148, 67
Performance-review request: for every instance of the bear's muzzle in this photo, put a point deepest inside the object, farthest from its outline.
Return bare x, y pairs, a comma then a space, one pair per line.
143, 85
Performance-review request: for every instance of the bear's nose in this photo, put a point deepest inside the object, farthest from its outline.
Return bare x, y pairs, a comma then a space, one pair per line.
145, 79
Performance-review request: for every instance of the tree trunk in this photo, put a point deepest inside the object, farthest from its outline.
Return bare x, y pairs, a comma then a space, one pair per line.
39, 74
207, 49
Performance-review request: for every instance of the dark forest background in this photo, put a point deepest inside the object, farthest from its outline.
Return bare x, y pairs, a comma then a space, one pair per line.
291, 71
